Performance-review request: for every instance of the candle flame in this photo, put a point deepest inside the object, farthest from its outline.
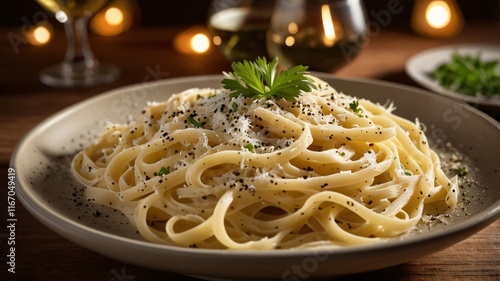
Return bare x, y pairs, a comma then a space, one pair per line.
326, 16
114, 19
41, 35
113, 16
200, 43
438, 14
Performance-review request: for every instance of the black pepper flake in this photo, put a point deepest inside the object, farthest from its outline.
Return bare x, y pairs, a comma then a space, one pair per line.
97, 214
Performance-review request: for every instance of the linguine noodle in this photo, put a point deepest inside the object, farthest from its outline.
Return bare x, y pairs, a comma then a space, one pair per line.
206, 170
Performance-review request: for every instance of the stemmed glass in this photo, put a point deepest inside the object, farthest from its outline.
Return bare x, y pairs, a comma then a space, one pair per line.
240, 27
79, 68
322, 34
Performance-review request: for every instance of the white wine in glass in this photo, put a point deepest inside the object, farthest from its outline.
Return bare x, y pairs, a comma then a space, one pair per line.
325, 35
79, 68
241, 27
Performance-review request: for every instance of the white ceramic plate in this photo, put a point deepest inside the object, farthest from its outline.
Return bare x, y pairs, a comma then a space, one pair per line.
48, 190
422, 64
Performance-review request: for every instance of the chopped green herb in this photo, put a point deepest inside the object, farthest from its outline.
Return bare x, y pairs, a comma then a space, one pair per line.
234, 106
250, 147
195, 123
408, 173
261, 80
342, 154
355, 107
469, 75
461, 170
163, 171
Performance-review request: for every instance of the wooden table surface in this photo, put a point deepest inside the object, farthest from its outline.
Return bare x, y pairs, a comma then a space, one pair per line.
147, 53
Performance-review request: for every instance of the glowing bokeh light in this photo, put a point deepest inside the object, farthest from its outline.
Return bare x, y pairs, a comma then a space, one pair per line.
195, 40
438, 14
217, 40
41, 35
293, 28
61, 16
200, 43
113, 16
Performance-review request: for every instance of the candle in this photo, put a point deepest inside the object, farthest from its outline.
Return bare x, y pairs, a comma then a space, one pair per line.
113, 19
194, 40
39, 34
437, 18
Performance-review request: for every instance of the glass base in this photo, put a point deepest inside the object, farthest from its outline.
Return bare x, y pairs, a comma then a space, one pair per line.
57, 76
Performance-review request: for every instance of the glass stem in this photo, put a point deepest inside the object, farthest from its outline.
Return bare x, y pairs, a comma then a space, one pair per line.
79, 57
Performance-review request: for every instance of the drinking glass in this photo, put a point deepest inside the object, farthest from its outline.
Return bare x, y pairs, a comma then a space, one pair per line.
239, 27
80, 68
322, 34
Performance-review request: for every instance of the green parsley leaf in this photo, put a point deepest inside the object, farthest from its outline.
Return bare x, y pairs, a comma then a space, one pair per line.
250, 147
163, 171
194, 122
469, 75
234, 106
354, 106
408, 173
261, 80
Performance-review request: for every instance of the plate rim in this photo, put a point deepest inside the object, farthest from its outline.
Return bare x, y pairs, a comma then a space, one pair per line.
33, 202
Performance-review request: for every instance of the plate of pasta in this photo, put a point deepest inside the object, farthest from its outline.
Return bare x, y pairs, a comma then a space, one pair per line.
321, 179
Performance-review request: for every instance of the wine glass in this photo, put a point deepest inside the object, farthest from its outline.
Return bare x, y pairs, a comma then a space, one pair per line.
322, 34
239, 27
79, 67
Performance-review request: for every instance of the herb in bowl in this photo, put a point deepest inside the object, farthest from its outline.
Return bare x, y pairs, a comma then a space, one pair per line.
469, 75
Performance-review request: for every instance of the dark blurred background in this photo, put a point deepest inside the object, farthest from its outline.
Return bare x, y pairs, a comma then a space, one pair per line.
185, 12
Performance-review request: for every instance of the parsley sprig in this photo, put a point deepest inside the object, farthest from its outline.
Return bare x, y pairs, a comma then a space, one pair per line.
261, 80
354, 106
469, 74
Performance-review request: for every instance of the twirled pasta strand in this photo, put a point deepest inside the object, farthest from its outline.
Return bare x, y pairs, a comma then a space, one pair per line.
206, 170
